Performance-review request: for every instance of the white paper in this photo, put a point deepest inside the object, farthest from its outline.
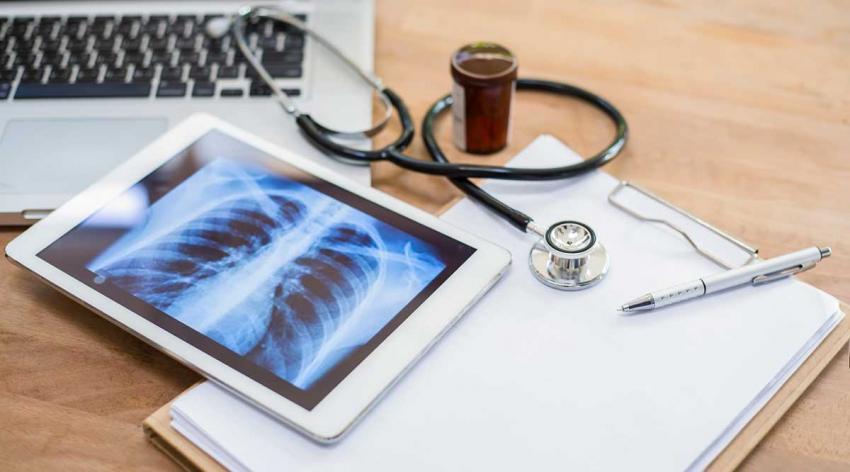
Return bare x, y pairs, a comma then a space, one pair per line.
537, 379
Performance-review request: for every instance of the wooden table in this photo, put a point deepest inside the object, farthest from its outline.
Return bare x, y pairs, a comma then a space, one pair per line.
740, 113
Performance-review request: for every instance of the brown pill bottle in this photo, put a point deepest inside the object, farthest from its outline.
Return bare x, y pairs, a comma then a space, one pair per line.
484, 84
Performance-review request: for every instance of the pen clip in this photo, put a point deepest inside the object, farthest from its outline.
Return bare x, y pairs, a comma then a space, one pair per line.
781, 274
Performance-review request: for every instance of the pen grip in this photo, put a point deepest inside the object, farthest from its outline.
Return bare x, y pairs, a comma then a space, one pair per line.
678, 293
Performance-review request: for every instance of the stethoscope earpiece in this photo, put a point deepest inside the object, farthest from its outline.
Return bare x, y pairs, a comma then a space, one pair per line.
569, 257
218, 27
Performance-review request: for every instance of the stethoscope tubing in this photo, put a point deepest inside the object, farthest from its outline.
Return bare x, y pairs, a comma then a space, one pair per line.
328, 140
458, 173
517, 218
440, 165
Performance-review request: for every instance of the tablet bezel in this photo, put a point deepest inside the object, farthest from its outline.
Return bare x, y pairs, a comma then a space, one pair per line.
331, 418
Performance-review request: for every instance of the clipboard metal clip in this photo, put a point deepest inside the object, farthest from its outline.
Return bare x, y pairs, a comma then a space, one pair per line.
752, 252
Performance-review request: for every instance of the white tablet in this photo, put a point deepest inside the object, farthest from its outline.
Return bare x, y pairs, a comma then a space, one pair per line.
303, 292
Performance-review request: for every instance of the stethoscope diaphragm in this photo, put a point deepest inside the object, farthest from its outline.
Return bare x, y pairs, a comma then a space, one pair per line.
569, 257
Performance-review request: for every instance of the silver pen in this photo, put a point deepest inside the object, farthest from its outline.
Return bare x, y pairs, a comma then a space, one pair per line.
756, 273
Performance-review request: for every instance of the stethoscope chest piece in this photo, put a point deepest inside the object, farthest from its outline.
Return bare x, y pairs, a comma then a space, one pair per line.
569, 257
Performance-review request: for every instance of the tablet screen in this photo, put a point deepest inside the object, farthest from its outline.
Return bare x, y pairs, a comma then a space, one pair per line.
287, 278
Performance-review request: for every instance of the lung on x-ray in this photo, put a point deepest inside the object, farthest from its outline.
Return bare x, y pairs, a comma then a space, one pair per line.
269, 268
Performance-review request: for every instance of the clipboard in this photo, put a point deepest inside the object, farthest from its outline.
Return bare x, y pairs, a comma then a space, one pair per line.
157, 427
158, 430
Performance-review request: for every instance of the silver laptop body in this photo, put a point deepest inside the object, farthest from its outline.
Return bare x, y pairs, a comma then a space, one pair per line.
53, 145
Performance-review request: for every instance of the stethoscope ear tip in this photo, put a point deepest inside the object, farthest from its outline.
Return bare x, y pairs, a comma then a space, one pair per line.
217, 28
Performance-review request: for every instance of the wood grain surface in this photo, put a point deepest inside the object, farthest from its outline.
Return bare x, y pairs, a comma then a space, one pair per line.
739, 112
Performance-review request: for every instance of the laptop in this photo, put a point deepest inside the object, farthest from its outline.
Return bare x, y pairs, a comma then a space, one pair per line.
85, 85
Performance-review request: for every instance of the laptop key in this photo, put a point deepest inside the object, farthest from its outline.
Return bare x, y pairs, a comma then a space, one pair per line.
171, 89
32, 75
87, 75
254, 26
124, 28
286, 57
89, 58
199, 72
228, 72
115, 75
232, 92
163, 58
51, 59
44, 28
215, 46
106, 58
5, 88
175, 28
76, 46
143, 74
189, 58
284, 71
22, 23
98, 28
132, 45
100, 23
172, 74
185, 44
24, 45
151, 27
269, 43
293, 41
133, 58
72, 29
59, 75
158, 44
259, 89
75, 59
104, 44
216, 58
50, 45
82, 90
203, 89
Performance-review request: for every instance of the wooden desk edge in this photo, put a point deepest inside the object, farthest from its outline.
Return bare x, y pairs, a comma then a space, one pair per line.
158, 428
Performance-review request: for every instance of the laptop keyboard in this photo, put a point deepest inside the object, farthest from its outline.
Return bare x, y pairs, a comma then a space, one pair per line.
162, 56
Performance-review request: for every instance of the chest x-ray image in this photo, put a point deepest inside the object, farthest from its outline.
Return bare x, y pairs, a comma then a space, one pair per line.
269, 268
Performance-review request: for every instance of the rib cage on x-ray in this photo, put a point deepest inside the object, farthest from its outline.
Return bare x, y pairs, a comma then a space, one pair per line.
322, 264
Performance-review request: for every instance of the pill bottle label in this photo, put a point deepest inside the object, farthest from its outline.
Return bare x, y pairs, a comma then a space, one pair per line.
459, 116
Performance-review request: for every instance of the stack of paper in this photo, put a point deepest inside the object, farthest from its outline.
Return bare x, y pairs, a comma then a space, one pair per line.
537, 379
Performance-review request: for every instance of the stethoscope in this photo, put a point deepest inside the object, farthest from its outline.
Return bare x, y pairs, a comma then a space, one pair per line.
568, 255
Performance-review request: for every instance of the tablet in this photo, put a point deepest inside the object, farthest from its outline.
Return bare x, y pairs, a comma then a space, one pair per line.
303, 292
